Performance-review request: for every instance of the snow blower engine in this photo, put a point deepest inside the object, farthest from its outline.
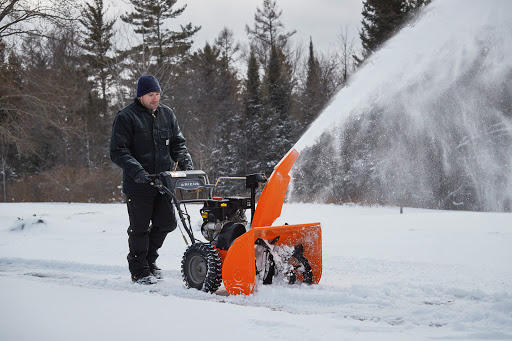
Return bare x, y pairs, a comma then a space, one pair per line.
237, 253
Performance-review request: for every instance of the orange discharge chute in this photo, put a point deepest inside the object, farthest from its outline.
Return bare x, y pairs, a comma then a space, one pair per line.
238, 269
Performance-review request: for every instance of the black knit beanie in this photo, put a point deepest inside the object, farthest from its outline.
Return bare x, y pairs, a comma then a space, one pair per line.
147, 84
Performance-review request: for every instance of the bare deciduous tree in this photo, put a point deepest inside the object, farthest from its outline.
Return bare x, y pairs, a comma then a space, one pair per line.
18, 17
346, 52
225, 41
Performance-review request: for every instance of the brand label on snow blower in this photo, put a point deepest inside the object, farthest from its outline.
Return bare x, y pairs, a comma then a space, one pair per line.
189, 184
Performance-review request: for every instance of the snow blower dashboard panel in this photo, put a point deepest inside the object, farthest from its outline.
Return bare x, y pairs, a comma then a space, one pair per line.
190, 181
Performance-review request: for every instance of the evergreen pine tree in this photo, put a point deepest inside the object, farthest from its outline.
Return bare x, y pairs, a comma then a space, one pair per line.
268, 31
230, 162
159, 45
209, 110
253, 108
313, 97
382, 19
97, 42
279, 133
270, 42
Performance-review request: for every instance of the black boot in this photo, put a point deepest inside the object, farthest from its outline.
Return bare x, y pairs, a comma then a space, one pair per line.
146, 280
156, 271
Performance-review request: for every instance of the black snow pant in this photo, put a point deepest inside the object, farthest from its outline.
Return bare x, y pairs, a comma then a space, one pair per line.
144, 239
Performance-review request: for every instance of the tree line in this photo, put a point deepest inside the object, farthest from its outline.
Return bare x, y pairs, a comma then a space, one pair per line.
66, 71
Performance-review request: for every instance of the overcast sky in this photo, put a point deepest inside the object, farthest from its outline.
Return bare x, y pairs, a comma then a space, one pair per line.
323, 20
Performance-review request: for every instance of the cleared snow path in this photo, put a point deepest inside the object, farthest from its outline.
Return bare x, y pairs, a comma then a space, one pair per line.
385, 275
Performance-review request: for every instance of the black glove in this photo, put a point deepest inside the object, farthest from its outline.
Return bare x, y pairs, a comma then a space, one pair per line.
186, 164
142, 177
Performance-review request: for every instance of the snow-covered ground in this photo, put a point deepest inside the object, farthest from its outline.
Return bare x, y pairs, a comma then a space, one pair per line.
418, 275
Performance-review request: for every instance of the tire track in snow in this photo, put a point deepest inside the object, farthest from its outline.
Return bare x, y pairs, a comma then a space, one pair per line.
383, 302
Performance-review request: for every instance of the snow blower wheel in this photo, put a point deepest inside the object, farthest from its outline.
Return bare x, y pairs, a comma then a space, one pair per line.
201, 267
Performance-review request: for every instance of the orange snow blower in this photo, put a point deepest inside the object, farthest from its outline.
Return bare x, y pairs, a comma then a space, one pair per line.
239, 253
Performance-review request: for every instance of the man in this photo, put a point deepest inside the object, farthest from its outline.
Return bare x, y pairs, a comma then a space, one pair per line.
145, 138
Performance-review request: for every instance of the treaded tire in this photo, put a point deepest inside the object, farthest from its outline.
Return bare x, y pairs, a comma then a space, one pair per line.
201, 267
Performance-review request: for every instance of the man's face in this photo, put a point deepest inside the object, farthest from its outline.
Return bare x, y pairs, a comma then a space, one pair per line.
150, 100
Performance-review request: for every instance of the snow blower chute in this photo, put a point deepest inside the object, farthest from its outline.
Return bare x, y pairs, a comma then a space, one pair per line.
239, 253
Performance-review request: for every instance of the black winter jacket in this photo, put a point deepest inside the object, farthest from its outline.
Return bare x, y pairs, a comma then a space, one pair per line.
142, 140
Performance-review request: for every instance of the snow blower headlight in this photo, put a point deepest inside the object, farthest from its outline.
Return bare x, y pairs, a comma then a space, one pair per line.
178, 174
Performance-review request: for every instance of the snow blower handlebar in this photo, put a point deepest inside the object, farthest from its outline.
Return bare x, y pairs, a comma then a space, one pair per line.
167, 183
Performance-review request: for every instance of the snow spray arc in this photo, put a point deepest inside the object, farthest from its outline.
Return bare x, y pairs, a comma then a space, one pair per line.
427, 122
